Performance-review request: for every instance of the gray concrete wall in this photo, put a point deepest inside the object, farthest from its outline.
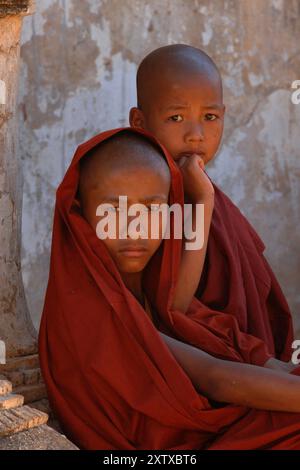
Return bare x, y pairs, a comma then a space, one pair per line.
79, 60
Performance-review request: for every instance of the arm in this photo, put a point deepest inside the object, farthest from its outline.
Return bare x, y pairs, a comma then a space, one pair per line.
199, 190
276, 364
240, 384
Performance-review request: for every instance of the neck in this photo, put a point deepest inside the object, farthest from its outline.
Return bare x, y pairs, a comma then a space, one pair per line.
133, 282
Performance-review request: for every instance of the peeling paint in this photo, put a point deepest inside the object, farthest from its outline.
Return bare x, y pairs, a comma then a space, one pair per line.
255, 80
2, 92
207, 34
15, 325
277, 4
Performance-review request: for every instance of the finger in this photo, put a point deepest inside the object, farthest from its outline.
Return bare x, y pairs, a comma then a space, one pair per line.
201, 163
199, 160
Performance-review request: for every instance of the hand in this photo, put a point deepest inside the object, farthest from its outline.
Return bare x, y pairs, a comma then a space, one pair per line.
197, 185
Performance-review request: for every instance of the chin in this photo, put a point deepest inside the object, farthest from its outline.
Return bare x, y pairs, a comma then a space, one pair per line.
132, 267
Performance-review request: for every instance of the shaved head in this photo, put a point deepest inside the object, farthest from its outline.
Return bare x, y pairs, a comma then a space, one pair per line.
180, 101
171, 63
125, 151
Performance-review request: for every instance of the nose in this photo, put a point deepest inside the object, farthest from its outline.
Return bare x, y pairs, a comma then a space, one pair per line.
194, 133
129, 227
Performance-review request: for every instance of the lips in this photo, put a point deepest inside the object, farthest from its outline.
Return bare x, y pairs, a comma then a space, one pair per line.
133, 251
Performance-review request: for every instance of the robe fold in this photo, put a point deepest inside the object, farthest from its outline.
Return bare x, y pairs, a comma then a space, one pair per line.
111, 380
237, 279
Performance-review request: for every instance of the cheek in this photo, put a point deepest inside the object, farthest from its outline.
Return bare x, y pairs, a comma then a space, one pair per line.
112, 246
161, 128
157, 229
172, 139
215, 134
153, 247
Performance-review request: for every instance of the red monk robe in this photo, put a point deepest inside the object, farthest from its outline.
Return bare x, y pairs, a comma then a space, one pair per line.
111, 379
237, 279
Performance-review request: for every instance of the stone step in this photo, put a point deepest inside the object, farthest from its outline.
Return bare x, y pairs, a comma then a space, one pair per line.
11, 401
20, 419
5, 387
23, 377
22, 362
32, 376
39, 438
15, 377
42, 405
31, 392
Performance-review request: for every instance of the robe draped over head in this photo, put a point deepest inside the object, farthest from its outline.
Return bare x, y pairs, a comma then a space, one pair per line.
111, 380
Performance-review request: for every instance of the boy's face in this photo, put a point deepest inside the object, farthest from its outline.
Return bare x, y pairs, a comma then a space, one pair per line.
144, 186
185, 113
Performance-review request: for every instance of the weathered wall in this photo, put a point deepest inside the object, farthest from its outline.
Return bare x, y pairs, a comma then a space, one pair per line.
17, 335
78, 77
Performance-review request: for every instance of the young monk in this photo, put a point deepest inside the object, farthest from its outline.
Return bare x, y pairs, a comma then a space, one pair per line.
110, 377
180, 101
125, 165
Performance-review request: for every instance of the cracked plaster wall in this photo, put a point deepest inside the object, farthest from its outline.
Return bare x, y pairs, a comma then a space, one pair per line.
79, 60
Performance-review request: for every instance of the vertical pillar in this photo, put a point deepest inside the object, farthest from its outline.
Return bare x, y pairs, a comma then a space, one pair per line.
16, 329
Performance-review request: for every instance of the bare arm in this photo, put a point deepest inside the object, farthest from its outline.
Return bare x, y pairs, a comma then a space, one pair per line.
190, 271
192, 262
276, 364
198, 190
236, 383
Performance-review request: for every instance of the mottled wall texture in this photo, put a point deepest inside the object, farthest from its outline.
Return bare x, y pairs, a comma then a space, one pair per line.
79, 60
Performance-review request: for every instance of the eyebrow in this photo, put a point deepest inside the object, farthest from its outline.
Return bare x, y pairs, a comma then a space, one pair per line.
155, 198
184, 106
147, 199
213, 106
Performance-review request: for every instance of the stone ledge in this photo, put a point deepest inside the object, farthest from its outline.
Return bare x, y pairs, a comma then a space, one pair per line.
25, 375
31, 392
11, 400
20, 419
22, 362
40, 438
23, 427
43, 405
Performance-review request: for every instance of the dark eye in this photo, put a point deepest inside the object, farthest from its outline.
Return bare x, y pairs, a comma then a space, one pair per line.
176, 118
211, 117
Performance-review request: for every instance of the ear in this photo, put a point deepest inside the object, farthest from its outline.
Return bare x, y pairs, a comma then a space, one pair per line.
136, 118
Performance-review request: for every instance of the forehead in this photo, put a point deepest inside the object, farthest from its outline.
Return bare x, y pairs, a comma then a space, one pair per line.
190, 86
133, 182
